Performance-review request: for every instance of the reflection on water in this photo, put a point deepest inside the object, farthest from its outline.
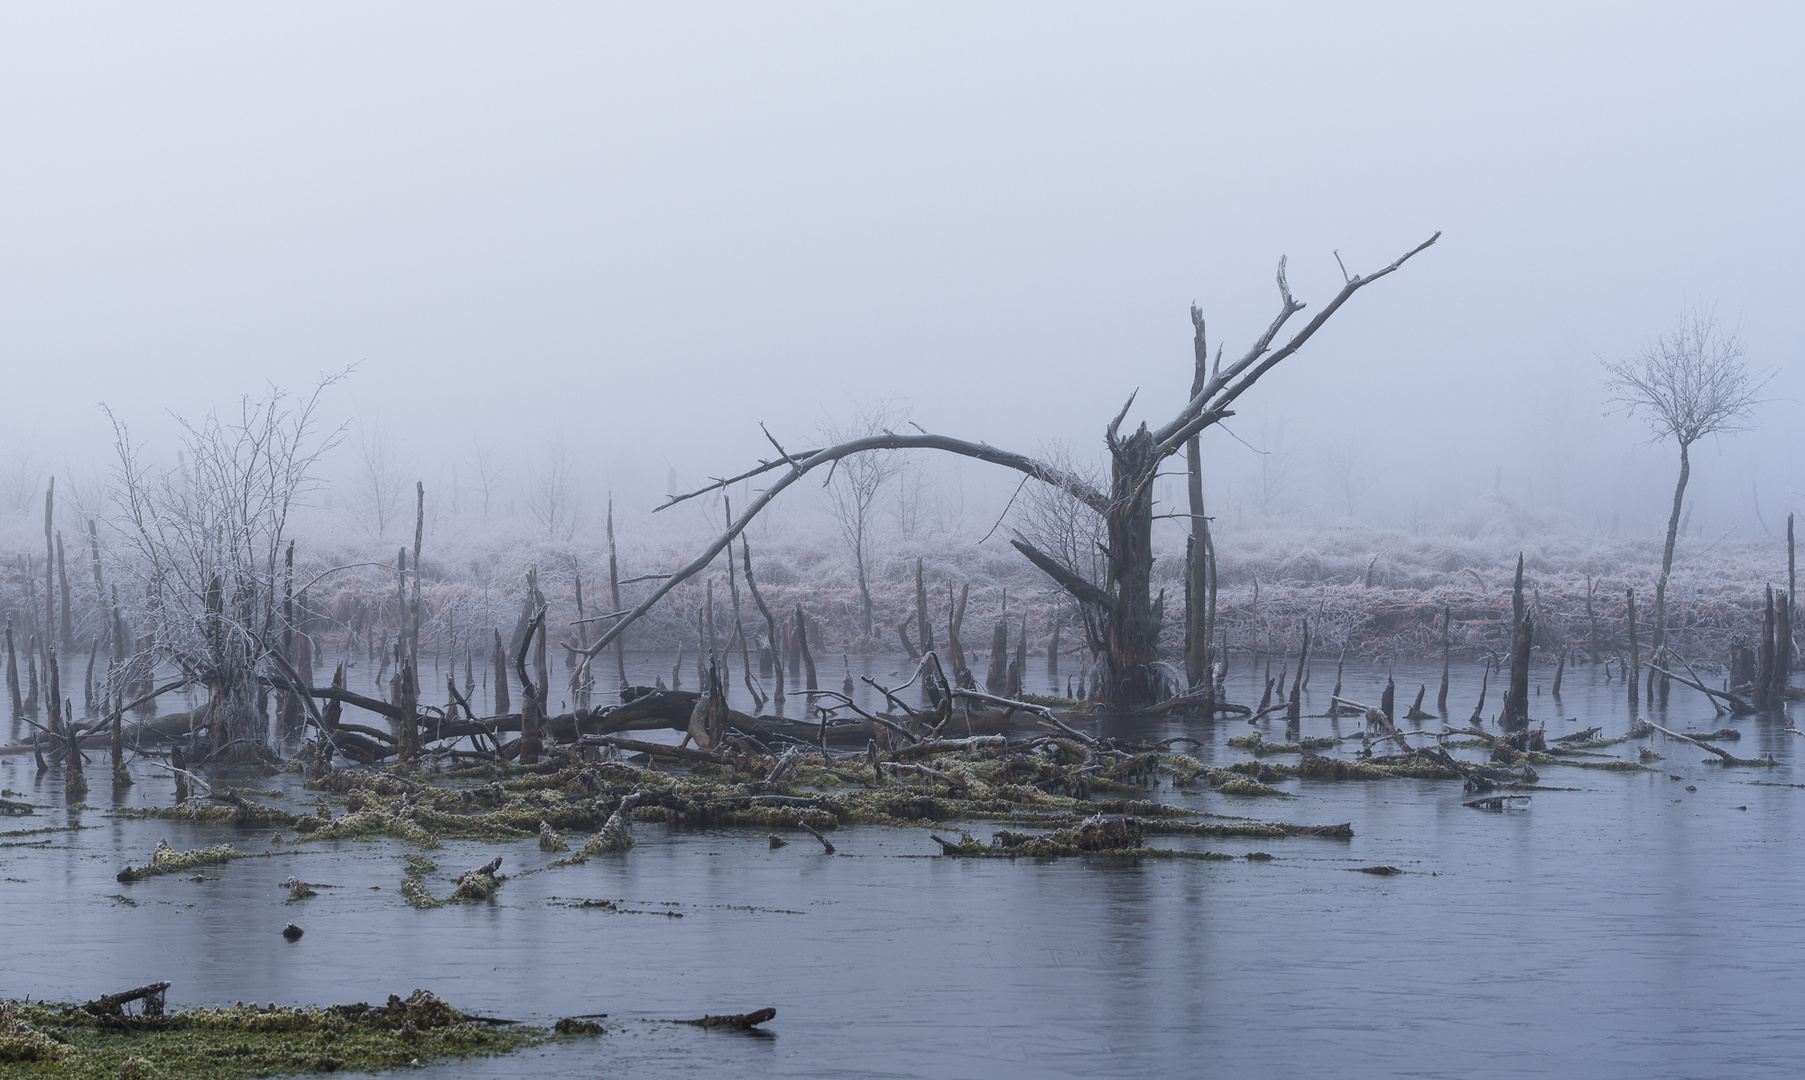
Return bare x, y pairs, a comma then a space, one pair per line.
1623, 925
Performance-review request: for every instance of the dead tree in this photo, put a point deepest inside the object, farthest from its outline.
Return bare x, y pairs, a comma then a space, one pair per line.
1635, 661
620, 658
996, 679
1128, 616
1200, 557
1691, 382
739, 627
1447, 620
955, 647
1515, 715
923, 625
207, 538
853, 488
532, 695
775, 649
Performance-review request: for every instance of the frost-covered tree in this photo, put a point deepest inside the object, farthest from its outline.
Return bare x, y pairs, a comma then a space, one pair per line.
552, 495
380, 480
855, 485
204, 542
1688, 383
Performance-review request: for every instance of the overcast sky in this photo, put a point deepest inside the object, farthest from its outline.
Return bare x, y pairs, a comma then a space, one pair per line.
646, 229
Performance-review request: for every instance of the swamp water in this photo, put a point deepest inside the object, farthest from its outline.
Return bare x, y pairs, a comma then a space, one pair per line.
1624, 926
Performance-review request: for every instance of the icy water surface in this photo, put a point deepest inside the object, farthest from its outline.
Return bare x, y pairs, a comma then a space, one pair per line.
1622, 926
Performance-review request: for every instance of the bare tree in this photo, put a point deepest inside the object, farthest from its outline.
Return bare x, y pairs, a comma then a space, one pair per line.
381, 480
488, 473
1273, 478
204, 540
552, 497
1345, 474
1688, 383
1124, 607
21, 478
854, 485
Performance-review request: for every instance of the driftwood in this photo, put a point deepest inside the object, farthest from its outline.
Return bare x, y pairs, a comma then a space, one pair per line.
738, 1022
656, 750
114, 1004
1728, 758
816, 833
1738, 706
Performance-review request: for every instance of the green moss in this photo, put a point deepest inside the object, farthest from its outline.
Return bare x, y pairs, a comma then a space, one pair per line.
167, 860
413, 885
1250, 787
415, 892
1605, 764
66, 1042
1254, 742
574, 1025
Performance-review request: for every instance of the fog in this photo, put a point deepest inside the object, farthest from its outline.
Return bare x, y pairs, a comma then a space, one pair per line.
630, 235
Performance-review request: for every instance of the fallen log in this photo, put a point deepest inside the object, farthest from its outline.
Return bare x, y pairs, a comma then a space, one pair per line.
114, 1004
655, 750
1738, 706
738, 1022
1729, 758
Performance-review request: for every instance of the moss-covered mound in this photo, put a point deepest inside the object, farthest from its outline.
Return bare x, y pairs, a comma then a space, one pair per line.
167, 860
95, 1042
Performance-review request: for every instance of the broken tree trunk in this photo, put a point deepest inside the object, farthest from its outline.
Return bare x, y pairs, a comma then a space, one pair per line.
996, 679
923, 624
808, 658
1635, 658
1447, 623
1764, 657
499, 655
955, 645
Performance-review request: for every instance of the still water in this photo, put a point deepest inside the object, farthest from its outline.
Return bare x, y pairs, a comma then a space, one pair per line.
1622, 925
